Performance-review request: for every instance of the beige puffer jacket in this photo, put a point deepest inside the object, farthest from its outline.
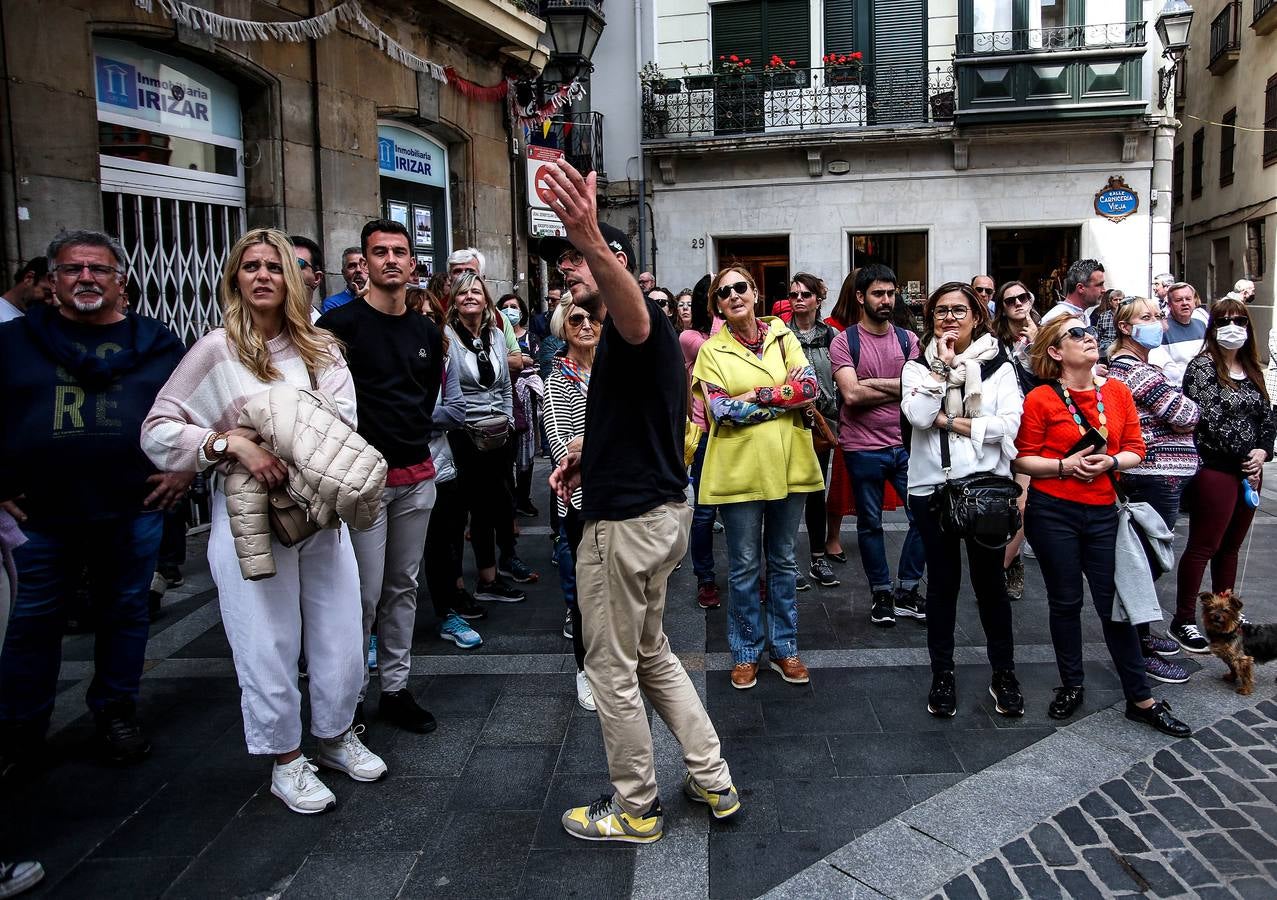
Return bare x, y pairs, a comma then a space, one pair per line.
333, 473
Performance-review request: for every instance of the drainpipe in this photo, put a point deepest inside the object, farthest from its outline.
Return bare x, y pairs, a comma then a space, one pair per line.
642, 161
10, 234
1160, 233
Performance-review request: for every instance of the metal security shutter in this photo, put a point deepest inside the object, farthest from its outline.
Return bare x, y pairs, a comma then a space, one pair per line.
738, 28
755, 29
840, 26
899, 78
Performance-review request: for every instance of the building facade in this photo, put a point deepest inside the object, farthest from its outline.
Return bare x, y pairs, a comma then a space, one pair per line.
177, 141
944, 138
1225, 174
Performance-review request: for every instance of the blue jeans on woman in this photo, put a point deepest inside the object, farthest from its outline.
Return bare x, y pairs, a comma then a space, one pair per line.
701, 539
120, 556
754, 528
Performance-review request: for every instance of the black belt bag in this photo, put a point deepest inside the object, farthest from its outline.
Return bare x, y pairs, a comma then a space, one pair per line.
982, 508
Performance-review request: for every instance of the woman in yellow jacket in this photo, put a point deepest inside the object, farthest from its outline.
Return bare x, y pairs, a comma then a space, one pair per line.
759, 464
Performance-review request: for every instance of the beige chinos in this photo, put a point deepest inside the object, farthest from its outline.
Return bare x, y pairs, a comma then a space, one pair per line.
621, 571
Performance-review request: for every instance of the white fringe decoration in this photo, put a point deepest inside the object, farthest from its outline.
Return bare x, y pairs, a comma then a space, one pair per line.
230, 29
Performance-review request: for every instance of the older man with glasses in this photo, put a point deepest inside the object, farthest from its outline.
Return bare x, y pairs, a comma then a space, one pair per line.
984, 286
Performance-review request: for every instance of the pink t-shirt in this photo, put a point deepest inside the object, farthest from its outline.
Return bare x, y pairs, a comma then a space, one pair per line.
690, 341
871, 427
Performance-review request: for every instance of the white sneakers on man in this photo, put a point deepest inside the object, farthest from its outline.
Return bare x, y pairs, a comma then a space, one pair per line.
346, 753
301, 790
584, 696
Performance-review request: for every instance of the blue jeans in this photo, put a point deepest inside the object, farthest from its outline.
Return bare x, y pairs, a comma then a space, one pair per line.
870, 470
701, 539
120, 555
750, 528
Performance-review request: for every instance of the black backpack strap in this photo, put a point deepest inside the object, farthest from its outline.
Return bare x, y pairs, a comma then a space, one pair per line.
853, 345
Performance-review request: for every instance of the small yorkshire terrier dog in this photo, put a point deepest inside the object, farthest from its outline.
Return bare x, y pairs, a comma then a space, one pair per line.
1239, 644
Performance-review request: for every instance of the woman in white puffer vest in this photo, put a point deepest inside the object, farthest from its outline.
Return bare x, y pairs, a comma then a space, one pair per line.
312, 603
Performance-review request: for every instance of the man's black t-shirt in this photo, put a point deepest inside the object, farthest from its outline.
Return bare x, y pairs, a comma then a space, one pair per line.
396, 363
632, 458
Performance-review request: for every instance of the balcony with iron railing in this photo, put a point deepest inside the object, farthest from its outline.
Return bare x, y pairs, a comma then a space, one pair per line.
1226, 38
1264, 17
681, 106
580, 137
1058, 72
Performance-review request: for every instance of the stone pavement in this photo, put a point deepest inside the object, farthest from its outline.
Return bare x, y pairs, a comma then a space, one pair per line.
849, 786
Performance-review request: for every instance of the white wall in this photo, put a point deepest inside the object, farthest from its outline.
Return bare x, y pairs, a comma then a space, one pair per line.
614, 92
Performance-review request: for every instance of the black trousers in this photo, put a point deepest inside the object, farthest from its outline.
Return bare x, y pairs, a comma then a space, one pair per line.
445, 542
817, 522
944, 578
486, 480
573, 527
1072, 540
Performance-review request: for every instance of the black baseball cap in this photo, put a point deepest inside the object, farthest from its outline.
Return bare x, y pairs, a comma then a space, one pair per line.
551, 248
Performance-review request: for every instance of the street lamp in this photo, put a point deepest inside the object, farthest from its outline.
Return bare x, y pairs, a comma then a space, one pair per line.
575, 27
1172, 29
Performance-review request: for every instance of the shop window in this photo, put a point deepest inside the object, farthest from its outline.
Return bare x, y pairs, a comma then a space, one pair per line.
904, 252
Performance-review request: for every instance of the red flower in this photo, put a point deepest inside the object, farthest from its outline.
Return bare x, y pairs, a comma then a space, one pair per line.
857, 55
842, 59
721, 58
735, 58
747, 60
793, 62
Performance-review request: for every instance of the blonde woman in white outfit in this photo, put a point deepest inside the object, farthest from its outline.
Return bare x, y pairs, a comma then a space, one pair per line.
312, 603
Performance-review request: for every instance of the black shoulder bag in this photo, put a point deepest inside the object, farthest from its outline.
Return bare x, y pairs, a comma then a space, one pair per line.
983, 508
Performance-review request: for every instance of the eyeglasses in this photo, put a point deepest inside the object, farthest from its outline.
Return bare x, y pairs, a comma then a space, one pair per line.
1221, 321
479, 349
806, 295
73, 270
988, 292
1078, 333
957, 313
576, 320
302, 264
1017, 299
571, 256
739, 287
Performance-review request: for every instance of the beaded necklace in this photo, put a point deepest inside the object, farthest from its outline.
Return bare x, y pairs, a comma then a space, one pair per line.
1099, 405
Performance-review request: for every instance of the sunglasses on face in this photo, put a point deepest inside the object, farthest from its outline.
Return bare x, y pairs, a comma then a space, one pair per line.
739, 287
1221, 321
1017, 299
1078, 333
806, 295
988, 292
662, 302
576, 320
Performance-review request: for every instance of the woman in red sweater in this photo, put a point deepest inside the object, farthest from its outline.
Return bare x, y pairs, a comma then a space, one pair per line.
1076, 433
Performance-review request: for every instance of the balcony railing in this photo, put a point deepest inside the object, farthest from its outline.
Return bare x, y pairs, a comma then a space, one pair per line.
1225, 38
1264, 18
837, 98
1052, 40
580, 137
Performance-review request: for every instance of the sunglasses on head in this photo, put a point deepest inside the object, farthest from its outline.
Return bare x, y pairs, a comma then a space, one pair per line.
1017, 299
739, 287
1078, 332
806, 295
1221, 321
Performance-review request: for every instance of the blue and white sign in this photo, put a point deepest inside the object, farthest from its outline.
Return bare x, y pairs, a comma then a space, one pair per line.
165, 93
1117, 200
410, 156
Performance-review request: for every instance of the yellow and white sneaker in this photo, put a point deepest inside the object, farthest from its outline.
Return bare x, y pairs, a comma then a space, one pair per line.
721, 804
604, 820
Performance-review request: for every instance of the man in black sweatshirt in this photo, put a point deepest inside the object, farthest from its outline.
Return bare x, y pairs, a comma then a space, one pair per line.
76, 383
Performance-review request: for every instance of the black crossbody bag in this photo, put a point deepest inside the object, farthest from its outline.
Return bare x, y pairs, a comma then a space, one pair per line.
983, 508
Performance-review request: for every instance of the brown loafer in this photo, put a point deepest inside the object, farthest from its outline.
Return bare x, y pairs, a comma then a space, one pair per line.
791, 669
745, 675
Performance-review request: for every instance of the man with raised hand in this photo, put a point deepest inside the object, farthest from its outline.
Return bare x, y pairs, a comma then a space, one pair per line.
630, 469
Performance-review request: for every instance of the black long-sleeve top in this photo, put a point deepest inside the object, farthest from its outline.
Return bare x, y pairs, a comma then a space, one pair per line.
1235, 419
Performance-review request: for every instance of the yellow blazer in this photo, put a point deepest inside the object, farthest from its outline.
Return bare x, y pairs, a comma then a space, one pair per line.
764, 461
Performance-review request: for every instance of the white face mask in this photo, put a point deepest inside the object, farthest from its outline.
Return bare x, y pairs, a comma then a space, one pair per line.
1231, 337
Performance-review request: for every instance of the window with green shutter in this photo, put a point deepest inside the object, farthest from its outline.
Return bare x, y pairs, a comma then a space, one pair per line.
755, 29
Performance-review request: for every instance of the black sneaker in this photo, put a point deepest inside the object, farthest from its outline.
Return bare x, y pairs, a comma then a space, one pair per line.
912, 604
499, 590
16, 877
401, 708
567, 625
1066, 702
1158, 716
527, 510
801, 583
518, 570
1005, 691
119, 737
822, 573
172, 576
883, 611
463, 605
1188, 637
942, 700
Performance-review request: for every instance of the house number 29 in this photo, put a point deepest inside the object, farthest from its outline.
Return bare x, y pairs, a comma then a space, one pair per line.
698, 243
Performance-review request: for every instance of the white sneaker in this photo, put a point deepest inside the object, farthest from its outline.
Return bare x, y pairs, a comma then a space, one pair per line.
301, 790
584, 696
348, 754
1027, 551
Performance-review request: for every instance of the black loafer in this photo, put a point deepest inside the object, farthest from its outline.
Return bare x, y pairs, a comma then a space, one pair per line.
1158, 716
1066, 702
